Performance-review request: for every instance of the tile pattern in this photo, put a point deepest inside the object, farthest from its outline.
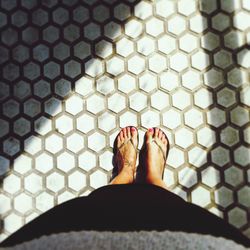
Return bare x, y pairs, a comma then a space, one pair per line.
74, 72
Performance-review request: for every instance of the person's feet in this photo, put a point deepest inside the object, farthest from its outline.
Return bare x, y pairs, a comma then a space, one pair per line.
127, 153
154, 161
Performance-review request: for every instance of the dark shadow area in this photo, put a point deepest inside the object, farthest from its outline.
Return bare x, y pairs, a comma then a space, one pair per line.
44, 48
229, 114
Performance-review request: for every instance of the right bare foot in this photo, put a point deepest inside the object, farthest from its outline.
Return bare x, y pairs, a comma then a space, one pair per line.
155, 162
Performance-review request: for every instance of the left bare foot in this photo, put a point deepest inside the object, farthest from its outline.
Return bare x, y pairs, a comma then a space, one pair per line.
125, 157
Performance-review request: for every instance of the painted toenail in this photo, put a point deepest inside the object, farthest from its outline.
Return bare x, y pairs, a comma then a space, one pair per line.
133, 129
150, 130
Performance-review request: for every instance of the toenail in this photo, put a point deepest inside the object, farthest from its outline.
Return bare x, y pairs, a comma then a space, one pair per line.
133, 129
150, 130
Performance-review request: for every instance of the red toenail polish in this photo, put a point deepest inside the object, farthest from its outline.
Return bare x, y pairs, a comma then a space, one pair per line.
133, 129
150, 130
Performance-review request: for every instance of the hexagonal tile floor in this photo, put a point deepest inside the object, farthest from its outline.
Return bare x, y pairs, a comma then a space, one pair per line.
74, 72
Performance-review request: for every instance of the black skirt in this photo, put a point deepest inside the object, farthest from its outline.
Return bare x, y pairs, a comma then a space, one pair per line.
132, 207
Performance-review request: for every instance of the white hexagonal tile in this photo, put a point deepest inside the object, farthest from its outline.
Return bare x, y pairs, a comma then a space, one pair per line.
103, 49
157, 63
96, 141
77, 181
241, 20
220, 22
187, 177
43, 125
116, 102
11, 184
33, 183
55, 182
105, 160
247, 135
75, 142
106, 121
65, 162
200, 60
12, 222
237, 217
126, 83
206, 137
164, 8
243, 196
64, 124
210, 176
138, 101
95, 104
166, 44
239, 116
124, 47
147, 82
197, 156
133, 28
223, 196
159, 100
53, 106
74, 105
5, 204
84, 86
22, 164
210, 41
198, 23
188, 42
220, 117
169, 80
65, 196
23, 203
245, 96
242, 155
234, 176
175, 157
193, 118
53, 143
115, 65
145, 45
181, 99
150, 119
154, 26
128, 119
243, 58
191, 80
213, 78
220, 156
112, 30
177, 24
98, 179
44, 201
44, 162
87, 160
94, 67
33, 145
186, 9
122, 11
143, 10
171, 119
203, 98
178, 62
229, 136
184, 138
136, 64
85, 123
201, 197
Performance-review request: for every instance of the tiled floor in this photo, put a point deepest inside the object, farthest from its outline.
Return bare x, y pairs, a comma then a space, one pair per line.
74, 72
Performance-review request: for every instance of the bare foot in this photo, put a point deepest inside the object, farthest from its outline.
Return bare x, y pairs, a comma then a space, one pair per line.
155, 162
125, 157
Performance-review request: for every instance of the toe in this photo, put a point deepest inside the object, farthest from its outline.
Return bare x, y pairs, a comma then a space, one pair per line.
156, 132
149, 134
128, 132
160, 134
124, 133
